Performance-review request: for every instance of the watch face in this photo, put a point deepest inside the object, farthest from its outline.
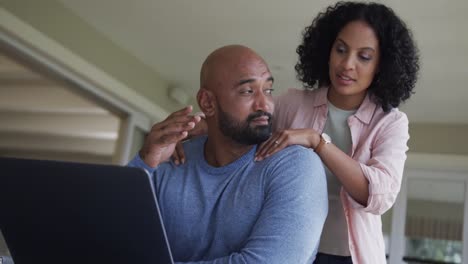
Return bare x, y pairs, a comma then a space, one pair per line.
326, 137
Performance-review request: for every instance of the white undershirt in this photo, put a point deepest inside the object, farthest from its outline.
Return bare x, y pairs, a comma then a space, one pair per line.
334, 238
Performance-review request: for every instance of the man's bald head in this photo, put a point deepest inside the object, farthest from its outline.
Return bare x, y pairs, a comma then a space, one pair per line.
223, 61
235, 95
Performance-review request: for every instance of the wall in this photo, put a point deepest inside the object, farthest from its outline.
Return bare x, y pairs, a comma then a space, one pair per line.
58, 23
435, 210
439, 138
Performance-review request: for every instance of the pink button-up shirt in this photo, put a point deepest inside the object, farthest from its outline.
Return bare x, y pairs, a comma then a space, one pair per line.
379, 144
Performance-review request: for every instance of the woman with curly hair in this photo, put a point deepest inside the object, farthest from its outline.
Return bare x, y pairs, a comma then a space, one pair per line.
358, 62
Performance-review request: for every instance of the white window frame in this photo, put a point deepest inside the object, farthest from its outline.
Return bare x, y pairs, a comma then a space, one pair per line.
428, 167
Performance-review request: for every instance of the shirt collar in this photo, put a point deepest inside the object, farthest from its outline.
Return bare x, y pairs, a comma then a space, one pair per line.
321, 97
364, 113
366, 110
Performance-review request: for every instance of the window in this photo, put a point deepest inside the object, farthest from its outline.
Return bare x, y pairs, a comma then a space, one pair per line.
434, 221
430, 216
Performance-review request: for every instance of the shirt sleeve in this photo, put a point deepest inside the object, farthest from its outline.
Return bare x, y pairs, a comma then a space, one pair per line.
384, 170
295, 208
137, 162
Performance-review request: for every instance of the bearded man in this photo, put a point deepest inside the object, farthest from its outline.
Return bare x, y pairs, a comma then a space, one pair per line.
221, 206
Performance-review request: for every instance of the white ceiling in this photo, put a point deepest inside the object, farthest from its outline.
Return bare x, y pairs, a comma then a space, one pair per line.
173, 37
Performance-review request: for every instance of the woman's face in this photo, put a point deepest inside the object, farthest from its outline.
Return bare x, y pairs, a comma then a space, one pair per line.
354, 60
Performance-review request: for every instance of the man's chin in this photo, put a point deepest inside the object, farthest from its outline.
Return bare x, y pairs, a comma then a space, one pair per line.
253, 139
260, 138
262, 129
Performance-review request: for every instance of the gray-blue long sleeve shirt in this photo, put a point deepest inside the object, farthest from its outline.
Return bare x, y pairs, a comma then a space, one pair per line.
269, 212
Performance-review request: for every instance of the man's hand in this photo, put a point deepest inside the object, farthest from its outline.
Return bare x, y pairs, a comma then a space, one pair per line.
163, 137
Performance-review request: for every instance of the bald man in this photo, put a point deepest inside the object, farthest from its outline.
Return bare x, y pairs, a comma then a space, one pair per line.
220, 206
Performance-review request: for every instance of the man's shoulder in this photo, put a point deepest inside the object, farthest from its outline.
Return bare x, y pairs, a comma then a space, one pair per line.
297, 169
296, 152
295, 157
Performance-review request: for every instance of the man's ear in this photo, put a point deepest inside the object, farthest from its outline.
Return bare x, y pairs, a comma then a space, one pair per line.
207, 102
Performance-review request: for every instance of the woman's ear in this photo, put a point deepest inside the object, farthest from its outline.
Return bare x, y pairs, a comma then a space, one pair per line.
206, 101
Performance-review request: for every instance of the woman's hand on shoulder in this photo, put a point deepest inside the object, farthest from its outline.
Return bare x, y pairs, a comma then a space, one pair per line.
306, 137
200, 128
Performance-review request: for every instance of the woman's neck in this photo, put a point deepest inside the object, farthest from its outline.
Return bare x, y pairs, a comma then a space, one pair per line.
346, 102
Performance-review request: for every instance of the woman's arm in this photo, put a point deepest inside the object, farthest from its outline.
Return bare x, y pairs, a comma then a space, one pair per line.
347, 170
373, 183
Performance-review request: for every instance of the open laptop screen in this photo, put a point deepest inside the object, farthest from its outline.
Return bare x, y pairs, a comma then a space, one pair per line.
62, 212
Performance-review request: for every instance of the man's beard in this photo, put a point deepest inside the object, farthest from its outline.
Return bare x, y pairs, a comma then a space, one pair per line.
241, 131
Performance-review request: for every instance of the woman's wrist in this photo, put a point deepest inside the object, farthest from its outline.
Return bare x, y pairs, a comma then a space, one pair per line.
314, 139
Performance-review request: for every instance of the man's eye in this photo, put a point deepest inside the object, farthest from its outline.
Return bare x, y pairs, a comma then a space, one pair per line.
247, 91
269, 91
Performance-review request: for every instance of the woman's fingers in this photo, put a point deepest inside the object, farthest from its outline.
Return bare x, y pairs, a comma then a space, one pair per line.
172, 138
177, 127
200, 128
176, 124
179, 150
162, 135
175, 156
176, 119
265, 146
276, 143
182, 115
169, 131
283, 139
182, 112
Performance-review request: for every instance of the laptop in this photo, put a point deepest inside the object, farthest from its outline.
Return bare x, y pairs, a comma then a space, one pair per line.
63, 212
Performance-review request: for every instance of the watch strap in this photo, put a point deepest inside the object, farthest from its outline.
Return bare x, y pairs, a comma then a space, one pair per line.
321, 143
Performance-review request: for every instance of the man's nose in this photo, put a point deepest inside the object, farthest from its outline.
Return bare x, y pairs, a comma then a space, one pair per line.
262, 102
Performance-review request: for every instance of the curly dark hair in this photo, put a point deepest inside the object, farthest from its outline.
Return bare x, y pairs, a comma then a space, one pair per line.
399, 59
